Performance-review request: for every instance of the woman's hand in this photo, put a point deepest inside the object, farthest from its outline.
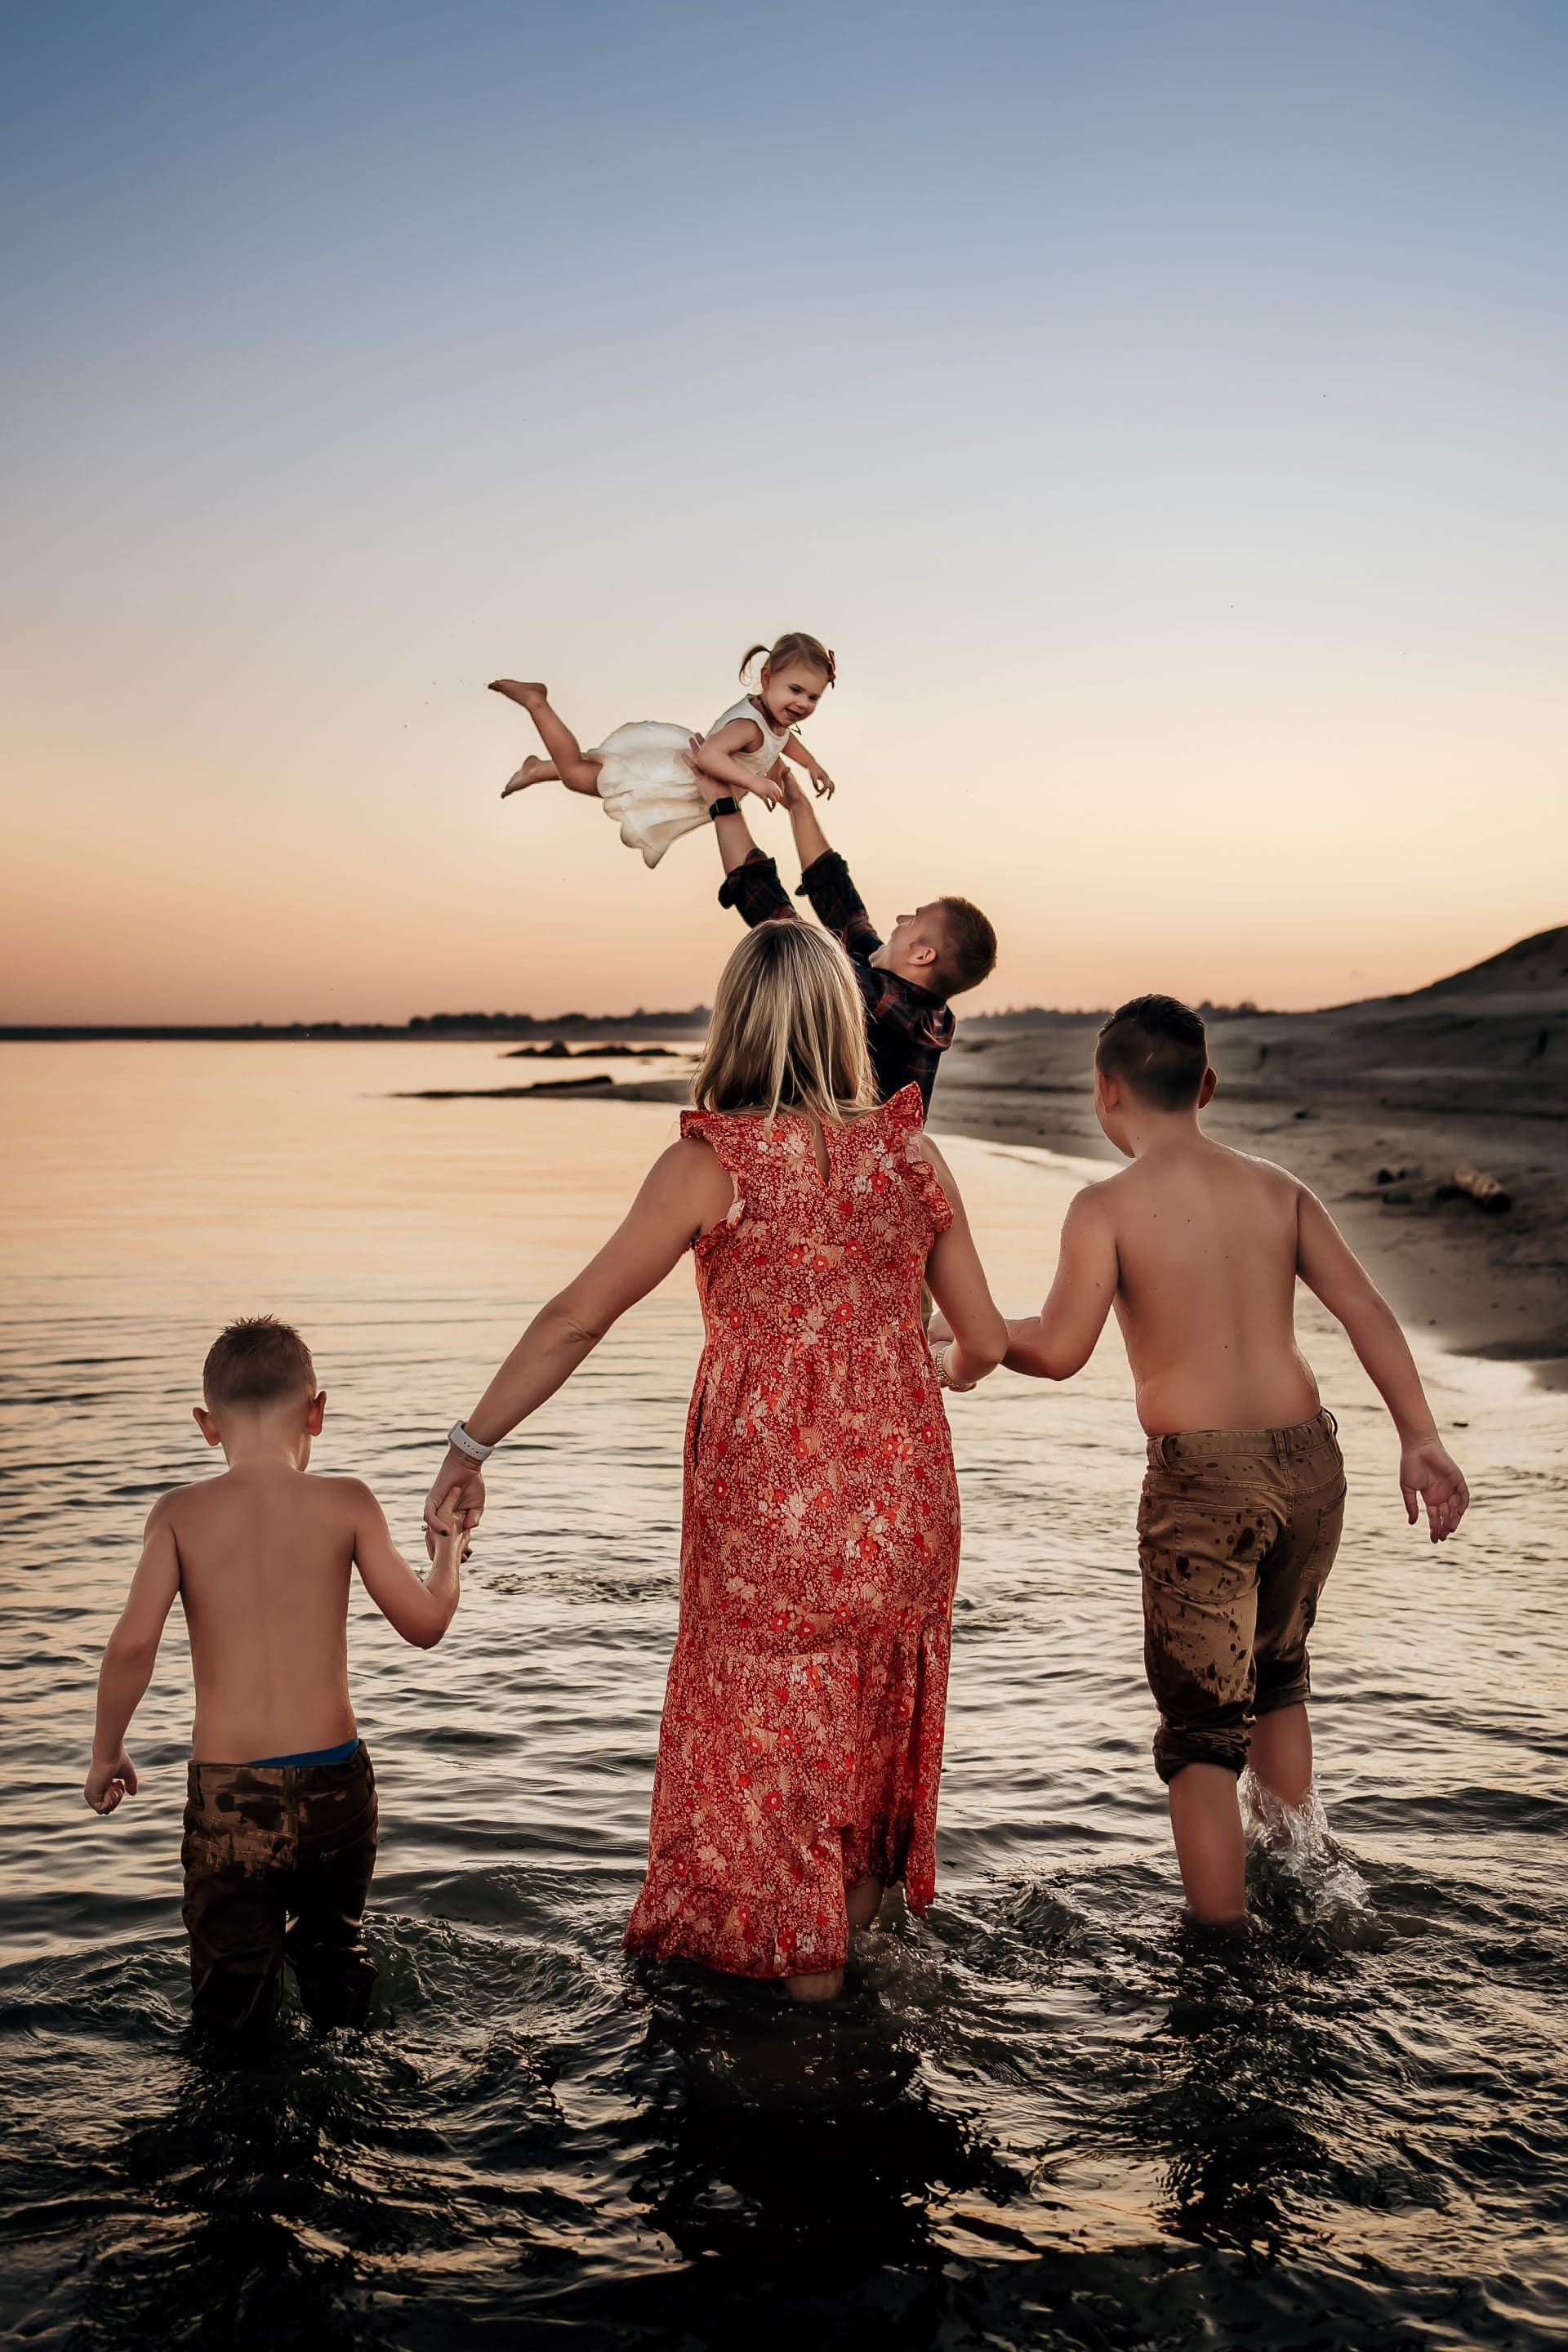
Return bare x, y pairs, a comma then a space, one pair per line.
456, 1503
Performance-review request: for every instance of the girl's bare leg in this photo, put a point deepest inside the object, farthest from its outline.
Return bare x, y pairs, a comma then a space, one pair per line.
565, 761
862, 1903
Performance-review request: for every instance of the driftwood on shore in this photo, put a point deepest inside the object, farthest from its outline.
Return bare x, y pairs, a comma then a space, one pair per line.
1476, 1186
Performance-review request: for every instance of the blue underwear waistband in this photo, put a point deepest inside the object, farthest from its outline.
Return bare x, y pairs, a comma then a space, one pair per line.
312, 1755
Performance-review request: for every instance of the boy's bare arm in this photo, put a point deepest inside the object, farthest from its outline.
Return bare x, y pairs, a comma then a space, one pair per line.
419, 1608
1059, 1340
1331, 1270
128, 1657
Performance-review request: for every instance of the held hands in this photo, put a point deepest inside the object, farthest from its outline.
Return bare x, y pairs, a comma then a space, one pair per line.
456, 1503
106, 1784
450, 1546
1427, 1470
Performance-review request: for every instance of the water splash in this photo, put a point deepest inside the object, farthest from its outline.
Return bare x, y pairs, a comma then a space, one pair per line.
1291, 1849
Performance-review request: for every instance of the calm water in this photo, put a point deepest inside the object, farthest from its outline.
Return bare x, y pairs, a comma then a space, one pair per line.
1047, 2116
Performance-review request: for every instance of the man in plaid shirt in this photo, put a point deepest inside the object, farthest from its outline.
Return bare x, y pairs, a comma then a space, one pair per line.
905, 980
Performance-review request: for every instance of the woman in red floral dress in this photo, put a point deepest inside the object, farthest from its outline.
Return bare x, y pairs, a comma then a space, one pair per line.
801, 1746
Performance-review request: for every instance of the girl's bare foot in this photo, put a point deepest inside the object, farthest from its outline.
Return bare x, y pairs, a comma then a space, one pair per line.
528, 691
532, 771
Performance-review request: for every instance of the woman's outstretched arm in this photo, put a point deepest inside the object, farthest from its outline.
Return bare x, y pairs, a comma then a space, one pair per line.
684, 1192
958, 1284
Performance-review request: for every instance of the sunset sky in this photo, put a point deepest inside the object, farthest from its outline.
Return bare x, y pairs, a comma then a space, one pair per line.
1159, 407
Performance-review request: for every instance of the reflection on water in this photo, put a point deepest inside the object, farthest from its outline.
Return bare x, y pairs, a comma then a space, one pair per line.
1051, 2114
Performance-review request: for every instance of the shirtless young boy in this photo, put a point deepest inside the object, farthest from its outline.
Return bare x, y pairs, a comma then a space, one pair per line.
1200, 1249
261, 1558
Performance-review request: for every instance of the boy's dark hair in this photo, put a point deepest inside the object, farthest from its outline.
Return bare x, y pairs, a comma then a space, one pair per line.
257, 1361
1158, 1048
969, 949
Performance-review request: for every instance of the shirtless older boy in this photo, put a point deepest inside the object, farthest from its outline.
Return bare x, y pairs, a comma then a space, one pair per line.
1200, 1249
280, 1812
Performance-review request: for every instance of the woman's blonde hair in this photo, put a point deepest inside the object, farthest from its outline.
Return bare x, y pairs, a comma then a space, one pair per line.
788, 1031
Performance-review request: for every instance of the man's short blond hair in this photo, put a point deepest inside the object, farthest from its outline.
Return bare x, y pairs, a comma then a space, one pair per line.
968, 952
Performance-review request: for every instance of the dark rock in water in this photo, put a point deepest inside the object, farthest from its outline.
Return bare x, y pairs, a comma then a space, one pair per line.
1384, 1176
1395, 1196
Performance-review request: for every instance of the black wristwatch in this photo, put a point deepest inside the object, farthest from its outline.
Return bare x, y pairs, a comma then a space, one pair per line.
725, 805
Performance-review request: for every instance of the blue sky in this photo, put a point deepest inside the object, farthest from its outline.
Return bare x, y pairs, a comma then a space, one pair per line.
1158, 407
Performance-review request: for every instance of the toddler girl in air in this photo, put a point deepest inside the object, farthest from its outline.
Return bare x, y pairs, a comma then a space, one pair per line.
644, 772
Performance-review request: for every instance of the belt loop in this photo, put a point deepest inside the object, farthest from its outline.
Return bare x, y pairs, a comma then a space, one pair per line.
1332, 1420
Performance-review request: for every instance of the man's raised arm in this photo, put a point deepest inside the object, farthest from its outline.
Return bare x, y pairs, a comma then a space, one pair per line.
825, 878
751, 883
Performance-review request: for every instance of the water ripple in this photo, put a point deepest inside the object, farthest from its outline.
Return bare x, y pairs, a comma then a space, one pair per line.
1049, 2115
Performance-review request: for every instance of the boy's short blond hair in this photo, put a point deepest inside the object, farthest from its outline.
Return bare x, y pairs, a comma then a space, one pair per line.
257, 1361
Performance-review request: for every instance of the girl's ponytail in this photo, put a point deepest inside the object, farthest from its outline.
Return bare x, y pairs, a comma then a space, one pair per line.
793, 646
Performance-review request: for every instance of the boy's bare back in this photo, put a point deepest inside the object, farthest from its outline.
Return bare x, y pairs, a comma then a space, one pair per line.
263, 1556
1199, 1249
259, 1558
1208, 1246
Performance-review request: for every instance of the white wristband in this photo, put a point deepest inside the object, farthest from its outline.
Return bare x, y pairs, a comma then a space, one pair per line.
457, 1437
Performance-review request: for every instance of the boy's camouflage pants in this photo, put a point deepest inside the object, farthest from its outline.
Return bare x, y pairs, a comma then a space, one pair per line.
278, 1862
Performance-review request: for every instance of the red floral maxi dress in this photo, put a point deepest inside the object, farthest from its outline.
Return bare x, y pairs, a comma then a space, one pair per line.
801, 1744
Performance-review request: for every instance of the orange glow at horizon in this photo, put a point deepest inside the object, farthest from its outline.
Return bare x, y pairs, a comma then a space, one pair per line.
1161, 431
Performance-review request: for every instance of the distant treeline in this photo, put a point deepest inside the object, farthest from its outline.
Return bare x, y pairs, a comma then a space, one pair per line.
692, 1021
1046, 1016
696, 1016
422, 1025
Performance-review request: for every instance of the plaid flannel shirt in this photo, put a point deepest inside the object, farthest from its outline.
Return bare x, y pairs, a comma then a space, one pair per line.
908, 1028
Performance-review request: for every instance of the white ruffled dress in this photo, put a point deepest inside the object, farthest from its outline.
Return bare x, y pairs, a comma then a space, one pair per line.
647, 784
